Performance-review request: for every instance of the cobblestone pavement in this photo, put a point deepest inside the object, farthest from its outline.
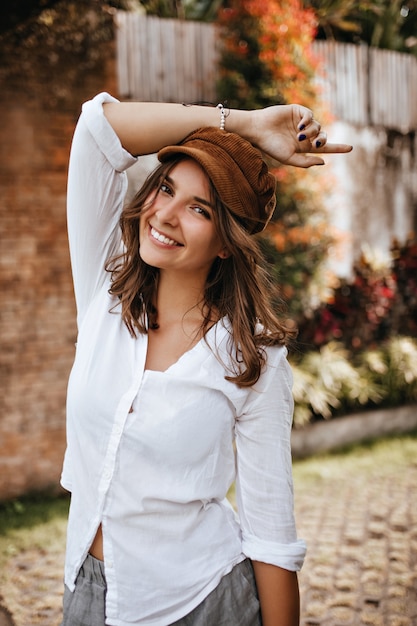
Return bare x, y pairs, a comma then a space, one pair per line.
358, 514
359, 517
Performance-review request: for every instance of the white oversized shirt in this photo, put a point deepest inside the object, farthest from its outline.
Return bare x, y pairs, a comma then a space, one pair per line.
152, 455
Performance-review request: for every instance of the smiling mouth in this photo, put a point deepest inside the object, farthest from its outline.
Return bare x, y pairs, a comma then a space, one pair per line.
162, 238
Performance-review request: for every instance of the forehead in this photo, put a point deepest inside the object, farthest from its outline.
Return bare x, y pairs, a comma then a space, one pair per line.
187, 164
189, 173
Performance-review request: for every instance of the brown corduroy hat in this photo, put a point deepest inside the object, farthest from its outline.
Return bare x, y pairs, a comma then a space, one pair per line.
237, 171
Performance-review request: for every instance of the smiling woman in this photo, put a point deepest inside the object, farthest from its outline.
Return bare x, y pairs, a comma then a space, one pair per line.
179, 222
180, 384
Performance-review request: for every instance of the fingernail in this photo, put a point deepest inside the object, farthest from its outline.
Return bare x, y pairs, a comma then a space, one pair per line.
318, 144
302, 127
301, 137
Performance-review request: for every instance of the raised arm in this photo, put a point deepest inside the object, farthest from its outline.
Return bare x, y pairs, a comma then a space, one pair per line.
287, 133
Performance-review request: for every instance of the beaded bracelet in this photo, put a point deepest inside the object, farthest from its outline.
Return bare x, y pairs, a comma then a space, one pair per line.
223, 115
224, 111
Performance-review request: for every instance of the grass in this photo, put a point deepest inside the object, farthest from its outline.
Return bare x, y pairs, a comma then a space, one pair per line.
387, 454
37, 519
30, 511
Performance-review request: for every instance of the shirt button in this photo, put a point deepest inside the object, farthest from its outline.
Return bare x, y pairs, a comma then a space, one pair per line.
109, 564
106, 474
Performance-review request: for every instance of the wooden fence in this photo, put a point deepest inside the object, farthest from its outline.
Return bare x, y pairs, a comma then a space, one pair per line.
173, 60
166, 60
369, 86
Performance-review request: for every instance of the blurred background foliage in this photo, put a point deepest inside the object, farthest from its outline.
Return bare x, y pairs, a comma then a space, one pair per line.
359, 349
332, 382
379, 302
253, 75
53, 46
266, 53
348, 353
388, 24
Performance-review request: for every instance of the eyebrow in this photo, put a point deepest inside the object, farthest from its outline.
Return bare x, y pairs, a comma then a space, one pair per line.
206, 203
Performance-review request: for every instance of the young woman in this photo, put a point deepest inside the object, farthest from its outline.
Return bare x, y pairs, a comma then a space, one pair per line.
180, 384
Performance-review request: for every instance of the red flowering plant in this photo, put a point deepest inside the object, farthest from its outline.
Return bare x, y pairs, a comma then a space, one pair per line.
266, 53
378, 303
296, 243
359, 350
404, 271
267, 59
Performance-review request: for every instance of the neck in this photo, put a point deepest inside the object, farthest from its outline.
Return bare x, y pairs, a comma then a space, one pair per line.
179, 297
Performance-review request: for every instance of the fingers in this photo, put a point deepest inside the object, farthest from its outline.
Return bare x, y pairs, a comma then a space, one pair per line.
308, 127
305, 160
298, 139
315, 140
306, 116
336, 148
312, 139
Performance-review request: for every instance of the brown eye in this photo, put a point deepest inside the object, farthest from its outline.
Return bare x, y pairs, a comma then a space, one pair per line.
165, 188
200, 211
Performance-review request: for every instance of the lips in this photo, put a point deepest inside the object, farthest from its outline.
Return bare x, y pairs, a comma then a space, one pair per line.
155, 234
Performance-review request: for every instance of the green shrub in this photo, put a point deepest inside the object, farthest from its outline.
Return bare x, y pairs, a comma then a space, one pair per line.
394, 367
332, 381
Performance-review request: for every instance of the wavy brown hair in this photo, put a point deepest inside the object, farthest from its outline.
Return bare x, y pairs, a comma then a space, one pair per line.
237, 287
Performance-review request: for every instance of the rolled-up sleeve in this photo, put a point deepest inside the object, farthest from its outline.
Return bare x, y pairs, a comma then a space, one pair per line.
264, 484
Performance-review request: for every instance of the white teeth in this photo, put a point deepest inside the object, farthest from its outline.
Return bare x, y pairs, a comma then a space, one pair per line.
162, 239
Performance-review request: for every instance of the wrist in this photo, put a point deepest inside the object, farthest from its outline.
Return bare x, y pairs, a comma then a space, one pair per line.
241, 122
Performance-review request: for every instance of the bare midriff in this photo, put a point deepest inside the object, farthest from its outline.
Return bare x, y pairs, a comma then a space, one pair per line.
96, 548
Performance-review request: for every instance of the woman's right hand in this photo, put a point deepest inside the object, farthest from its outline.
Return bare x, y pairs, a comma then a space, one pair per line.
291, 135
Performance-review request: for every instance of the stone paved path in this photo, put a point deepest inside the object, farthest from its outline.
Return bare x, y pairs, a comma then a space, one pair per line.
359, 518
358, 515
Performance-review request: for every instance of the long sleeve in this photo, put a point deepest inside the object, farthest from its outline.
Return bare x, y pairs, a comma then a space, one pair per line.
97, 185
264, 483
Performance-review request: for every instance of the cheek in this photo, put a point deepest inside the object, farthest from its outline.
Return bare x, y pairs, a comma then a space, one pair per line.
141, 229
143, 220
213, 247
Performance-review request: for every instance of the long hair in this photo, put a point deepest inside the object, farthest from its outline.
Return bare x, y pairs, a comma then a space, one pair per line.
237, 287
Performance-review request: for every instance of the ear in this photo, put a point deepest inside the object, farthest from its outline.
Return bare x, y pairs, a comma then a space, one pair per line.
224, 253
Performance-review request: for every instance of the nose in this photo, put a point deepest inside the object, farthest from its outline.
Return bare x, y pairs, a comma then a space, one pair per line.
168, 211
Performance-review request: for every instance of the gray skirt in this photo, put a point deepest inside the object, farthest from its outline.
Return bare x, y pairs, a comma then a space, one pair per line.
234, 602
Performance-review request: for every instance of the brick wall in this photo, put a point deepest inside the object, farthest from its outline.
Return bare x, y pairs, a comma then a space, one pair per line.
37, 315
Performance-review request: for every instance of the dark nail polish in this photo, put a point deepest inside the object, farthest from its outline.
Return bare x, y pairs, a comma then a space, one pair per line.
302, 127
301, 137
318, 144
